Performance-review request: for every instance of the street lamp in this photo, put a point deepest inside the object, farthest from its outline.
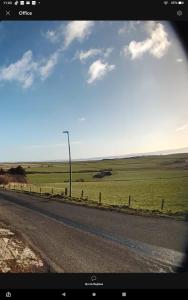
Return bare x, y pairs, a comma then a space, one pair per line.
70, 166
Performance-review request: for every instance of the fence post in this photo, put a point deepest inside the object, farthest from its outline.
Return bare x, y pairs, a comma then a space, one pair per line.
162, 204
30, 189
129, 200
100, 198
66, 191
82, 194
40, 190
52, 191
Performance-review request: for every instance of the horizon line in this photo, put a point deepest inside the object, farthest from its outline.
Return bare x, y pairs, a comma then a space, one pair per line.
130, 155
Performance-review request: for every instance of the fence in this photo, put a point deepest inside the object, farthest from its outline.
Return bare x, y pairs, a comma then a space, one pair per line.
128, 201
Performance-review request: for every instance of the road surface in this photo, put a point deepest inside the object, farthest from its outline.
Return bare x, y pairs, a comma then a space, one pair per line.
75, 239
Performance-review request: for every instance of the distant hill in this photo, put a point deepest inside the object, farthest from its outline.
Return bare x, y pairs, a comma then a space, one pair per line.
136, 155
131, 155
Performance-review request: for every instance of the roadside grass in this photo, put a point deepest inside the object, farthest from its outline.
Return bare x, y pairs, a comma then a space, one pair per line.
147, 180
145, 193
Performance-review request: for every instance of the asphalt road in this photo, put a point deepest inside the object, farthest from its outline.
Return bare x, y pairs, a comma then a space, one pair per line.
74, 238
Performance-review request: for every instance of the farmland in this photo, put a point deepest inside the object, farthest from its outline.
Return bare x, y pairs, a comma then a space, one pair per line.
147, 180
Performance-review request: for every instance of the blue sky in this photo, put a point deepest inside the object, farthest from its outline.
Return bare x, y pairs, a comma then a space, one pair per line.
118, 87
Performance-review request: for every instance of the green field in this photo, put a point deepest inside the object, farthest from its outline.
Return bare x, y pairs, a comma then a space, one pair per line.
147, 179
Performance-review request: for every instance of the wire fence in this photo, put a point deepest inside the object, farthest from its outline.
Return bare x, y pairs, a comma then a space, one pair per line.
129, 201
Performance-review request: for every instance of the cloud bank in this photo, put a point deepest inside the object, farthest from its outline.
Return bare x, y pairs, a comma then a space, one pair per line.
156, 44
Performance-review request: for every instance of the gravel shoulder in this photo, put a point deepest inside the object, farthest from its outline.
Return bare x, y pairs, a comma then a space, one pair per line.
16, 255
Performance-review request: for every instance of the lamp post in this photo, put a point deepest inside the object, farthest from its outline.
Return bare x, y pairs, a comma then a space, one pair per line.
70, 166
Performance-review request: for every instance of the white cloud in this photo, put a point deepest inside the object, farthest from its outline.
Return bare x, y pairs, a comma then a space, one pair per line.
107, 52
156, 44
54, 35
98, 70
66, 34
48, 66
183, 127
179, 60
123, 29
22, 71
149, 26
128, 27
26, 70
39, 146
84, 55
82, 119
77, 30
